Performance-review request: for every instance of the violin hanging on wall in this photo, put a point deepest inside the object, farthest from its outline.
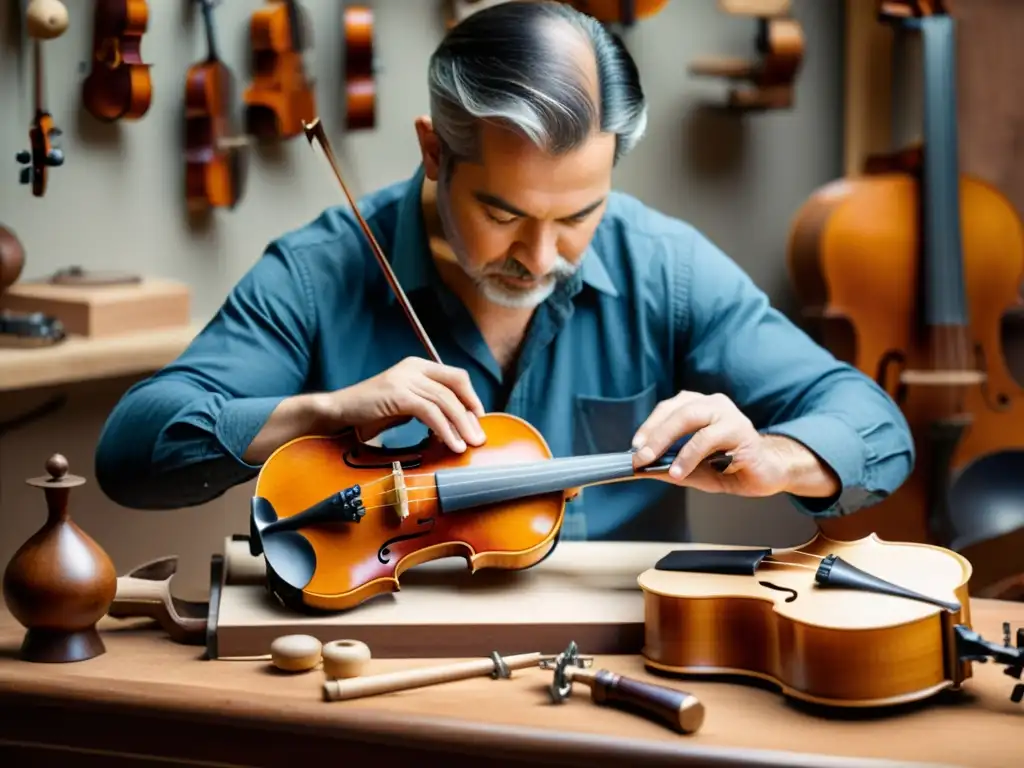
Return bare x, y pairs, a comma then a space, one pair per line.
910, 269
44, 152
214, 167
360, 69
768, 81
282, 95
119, 85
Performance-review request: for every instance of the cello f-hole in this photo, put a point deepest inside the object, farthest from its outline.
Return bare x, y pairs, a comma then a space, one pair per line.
792, 592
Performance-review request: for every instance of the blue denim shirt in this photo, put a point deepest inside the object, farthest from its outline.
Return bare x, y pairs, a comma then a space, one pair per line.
655, 308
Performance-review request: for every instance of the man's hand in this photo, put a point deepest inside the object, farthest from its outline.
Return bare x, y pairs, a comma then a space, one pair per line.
440, 396
762, 465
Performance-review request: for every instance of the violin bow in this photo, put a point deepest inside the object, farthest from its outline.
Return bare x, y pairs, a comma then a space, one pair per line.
315, 130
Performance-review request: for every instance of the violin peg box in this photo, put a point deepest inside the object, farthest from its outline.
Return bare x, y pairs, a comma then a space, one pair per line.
105, 310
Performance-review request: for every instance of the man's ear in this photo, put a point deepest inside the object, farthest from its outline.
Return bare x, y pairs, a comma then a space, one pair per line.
430, 146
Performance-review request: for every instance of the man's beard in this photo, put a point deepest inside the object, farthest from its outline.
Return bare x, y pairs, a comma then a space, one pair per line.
488, 279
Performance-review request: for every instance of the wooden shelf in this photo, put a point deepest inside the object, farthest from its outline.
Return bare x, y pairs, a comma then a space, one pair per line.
79, 358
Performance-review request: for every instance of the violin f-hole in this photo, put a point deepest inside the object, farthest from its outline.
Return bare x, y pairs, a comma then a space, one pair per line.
792, 592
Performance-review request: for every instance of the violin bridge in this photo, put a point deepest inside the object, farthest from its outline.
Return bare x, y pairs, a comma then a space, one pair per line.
401, 499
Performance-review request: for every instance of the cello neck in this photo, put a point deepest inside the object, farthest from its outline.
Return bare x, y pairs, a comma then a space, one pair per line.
945, 294
464, 488
211, 39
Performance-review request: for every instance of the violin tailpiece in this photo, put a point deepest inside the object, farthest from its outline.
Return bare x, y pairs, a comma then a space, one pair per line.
836, 572
739, 562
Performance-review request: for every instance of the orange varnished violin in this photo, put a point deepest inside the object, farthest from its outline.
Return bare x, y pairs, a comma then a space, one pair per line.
360, 78
282, 95
43, 152
119, 85
213, 151
865, 623
767, 82
910, 267
338, 520
623, 12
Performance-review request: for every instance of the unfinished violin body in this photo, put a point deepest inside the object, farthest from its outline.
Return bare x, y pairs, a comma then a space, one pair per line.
863, 623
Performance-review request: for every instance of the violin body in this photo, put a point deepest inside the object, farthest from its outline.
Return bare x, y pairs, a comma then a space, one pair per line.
281, 95
119, 84
843, 648
213, 161
355, 561
360, 78
626, 12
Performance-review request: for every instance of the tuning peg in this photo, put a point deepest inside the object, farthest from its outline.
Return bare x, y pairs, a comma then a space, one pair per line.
25, 176
24, 157
55, 157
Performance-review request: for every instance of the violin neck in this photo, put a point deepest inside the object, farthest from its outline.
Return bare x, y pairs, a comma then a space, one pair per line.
464, 488
37, 56
945, 296
212, 54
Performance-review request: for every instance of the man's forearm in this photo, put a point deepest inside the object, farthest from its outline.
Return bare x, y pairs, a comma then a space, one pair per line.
809, 476
294, 417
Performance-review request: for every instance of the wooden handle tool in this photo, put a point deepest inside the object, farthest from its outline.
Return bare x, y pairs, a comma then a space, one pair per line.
681, 711
146, 592
496, 666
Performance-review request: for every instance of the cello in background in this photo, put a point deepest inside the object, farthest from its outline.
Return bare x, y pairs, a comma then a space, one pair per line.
282, 95
360, 82
119, 85
213, 160
910, 268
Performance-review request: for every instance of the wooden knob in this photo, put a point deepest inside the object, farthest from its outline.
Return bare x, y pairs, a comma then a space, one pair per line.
57, 466
345, 658
295, 653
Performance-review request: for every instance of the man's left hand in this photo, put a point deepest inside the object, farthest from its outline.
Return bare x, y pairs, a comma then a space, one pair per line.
762, 465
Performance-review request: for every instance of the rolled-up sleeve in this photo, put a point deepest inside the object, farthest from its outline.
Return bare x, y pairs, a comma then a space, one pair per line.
731, 340
177, 438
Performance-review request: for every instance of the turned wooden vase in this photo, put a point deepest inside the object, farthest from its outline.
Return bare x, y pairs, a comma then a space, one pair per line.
60, 582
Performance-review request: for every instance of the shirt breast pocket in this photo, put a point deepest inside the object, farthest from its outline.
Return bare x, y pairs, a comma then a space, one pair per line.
607, 424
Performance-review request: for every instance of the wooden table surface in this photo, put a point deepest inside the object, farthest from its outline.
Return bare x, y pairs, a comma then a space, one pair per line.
148, 695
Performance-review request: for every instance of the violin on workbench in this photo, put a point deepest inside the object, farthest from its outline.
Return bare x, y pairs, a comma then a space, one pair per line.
282, 95
119, 85
866, 623
214, 169
910, 268
338, 520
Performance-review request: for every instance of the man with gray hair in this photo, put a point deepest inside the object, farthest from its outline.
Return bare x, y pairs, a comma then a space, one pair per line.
606, 324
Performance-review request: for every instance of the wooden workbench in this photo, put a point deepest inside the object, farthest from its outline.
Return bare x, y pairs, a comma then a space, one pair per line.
78, 358
150, 697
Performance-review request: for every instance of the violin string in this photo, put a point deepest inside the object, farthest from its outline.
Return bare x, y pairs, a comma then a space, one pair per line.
794, 565
479, 471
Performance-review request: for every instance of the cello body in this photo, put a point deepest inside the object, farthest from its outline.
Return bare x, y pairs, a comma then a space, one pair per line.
119, 84
832, 647
910, 268
855, 265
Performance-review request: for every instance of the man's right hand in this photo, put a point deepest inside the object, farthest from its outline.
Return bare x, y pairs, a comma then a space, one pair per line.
438, 395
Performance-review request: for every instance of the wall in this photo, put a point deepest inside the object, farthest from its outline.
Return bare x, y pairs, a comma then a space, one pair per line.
117, 203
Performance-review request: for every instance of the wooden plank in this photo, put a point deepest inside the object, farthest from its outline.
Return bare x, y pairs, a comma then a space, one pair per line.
78, 358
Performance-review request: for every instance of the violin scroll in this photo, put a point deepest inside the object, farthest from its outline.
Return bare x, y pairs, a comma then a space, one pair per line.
43, 152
